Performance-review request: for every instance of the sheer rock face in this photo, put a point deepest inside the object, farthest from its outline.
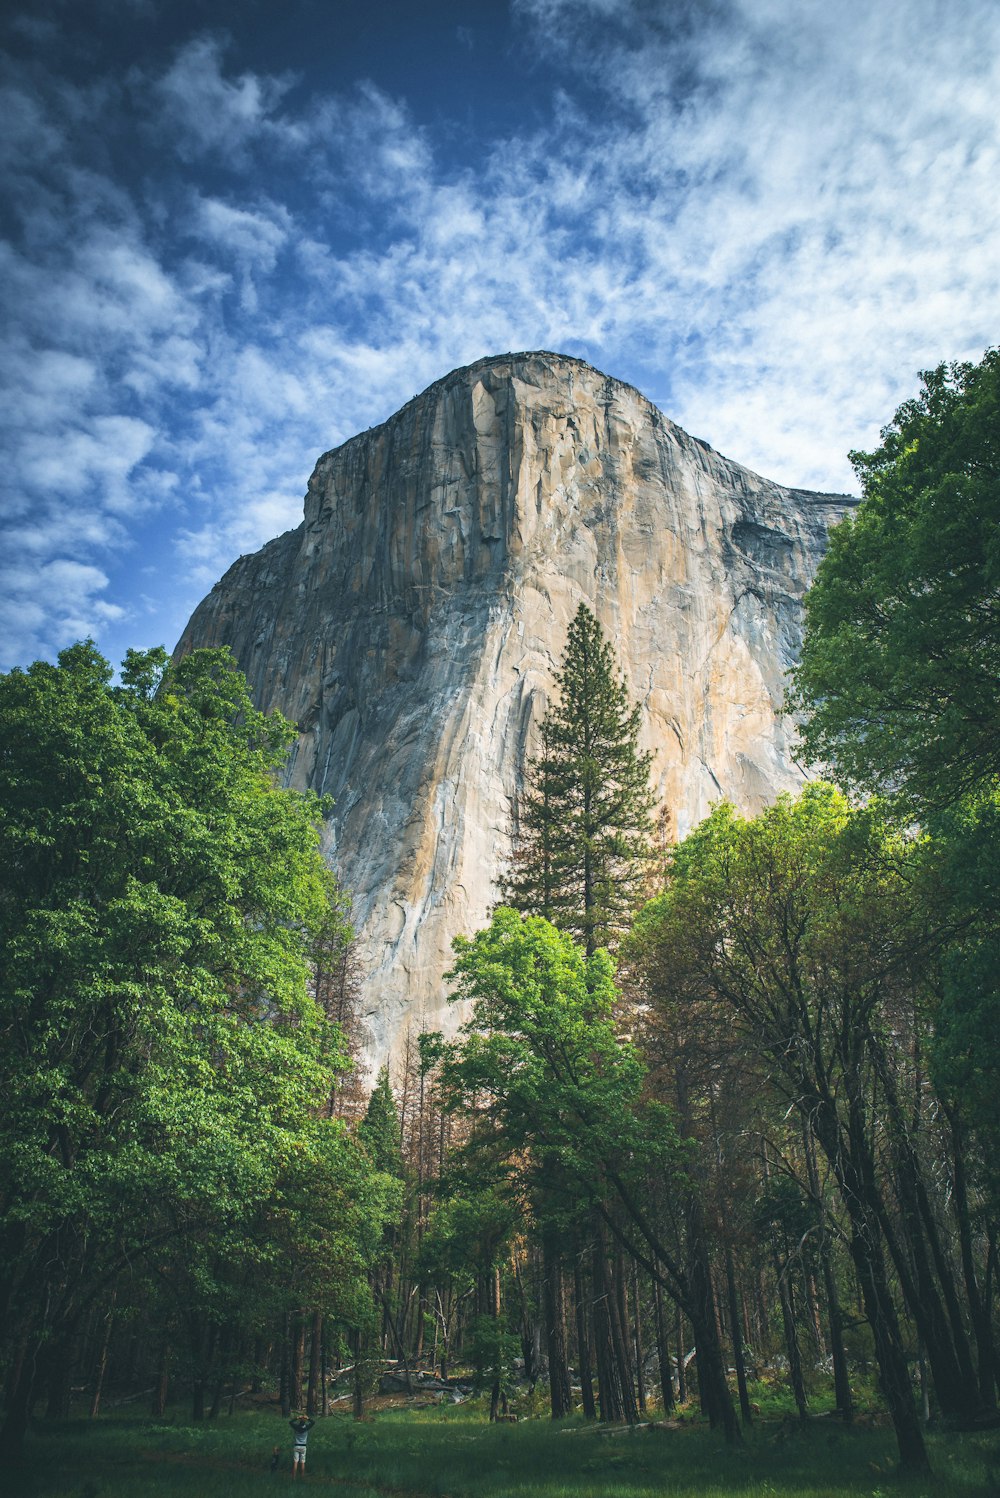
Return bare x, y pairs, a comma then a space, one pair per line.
412, 624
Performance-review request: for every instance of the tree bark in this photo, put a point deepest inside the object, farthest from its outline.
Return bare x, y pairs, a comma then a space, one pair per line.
315, 1359
663, 1351
854, 1171
737, 1336
555, 1326
297, 1357
102, 1361
583, 1343
784, 1279
640, 1374
982, 1330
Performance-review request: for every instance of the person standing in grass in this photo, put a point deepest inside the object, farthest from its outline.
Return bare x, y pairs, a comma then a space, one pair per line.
301, 1426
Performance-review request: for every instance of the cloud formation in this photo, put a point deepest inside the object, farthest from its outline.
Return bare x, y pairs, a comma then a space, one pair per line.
766, 215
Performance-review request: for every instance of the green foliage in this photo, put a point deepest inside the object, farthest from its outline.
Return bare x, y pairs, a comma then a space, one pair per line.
900, 667
900, 674
795, 918
494, 1352
542, 1067
379, 1131
161, 1058
964, 857
584, 825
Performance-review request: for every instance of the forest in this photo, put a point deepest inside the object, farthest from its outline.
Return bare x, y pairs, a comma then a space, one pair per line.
724, 1121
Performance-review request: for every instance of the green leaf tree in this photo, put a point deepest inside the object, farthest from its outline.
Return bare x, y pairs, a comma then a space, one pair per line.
900, 682
900, 667
160, 1053
802, 928
544, 1074
583, 833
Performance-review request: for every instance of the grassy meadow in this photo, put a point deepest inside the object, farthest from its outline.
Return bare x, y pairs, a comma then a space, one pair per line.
456, 1453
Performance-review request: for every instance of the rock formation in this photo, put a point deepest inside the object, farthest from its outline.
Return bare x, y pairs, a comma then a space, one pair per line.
412, 624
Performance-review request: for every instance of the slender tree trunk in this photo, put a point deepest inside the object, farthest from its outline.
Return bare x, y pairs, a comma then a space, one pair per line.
737, 1336
620, 1364
608, 1391
855, 1175
640, 1378
315, 1358
938, 1316
835, 1315
102, 1361
583, 1343
285, 1374
617, 1304
162, 1383
358, 1386
663, 1351
704, 1321
981, 1327
682, 1389
297, 1361
498, 1395
555, 1326
784, 1279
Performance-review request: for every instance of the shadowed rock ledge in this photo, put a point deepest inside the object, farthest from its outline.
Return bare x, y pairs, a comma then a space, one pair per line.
412, 623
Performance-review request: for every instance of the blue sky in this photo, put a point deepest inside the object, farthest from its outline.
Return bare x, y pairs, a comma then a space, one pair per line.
234, 234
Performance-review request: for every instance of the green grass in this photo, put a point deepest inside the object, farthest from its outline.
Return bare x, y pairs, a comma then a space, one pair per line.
455, 1453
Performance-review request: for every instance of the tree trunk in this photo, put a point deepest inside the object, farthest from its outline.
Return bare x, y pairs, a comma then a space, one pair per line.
620, 1339
855, 1174
285, 1374
358, 1386
608, 1391
682, 1390
663, 1351
315, 1359
583, 1344
784, 1278
835, 1315
737, 1336
297, 1362
102, 1360
555, 1326
640, 1378
982, 1330
704, 1322
162, 1383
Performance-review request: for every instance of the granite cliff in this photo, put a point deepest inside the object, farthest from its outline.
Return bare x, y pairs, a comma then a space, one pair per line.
412, 623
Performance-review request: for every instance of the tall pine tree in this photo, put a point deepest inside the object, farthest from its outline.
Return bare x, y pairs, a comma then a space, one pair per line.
583, 826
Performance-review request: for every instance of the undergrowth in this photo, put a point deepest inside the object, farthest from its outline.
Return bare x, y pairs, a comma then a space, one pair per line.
453, 1452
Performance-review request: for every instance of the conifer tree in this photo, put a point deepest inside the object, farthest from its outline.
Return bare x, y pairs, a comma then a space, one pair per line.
583, 833
379, 1130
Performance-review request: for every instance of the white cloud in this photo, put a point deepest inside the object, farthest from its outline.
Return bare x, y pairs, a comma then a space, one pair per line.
206, 112
44, 608
251, 237
775, 215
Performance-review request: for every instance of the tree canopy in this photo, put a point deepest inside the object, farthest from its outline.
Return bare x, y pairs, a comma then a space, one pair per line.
900, 668
161, 1058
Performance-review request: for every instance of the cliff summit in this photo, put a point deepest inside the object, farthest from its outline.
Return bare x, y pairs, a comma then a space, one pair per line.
413, 622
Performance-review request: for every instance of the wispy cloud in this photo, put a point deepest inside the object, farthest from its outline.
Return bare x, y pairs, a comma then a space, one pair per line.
205, 112
767, 215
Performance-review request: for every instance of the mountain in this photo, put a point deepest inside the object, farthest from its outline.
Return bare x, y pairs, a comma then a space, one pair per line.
412, 623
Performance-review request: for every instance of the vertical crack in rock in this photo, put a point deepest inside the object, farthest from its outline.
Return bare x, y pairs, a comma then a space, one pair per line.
412, 625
